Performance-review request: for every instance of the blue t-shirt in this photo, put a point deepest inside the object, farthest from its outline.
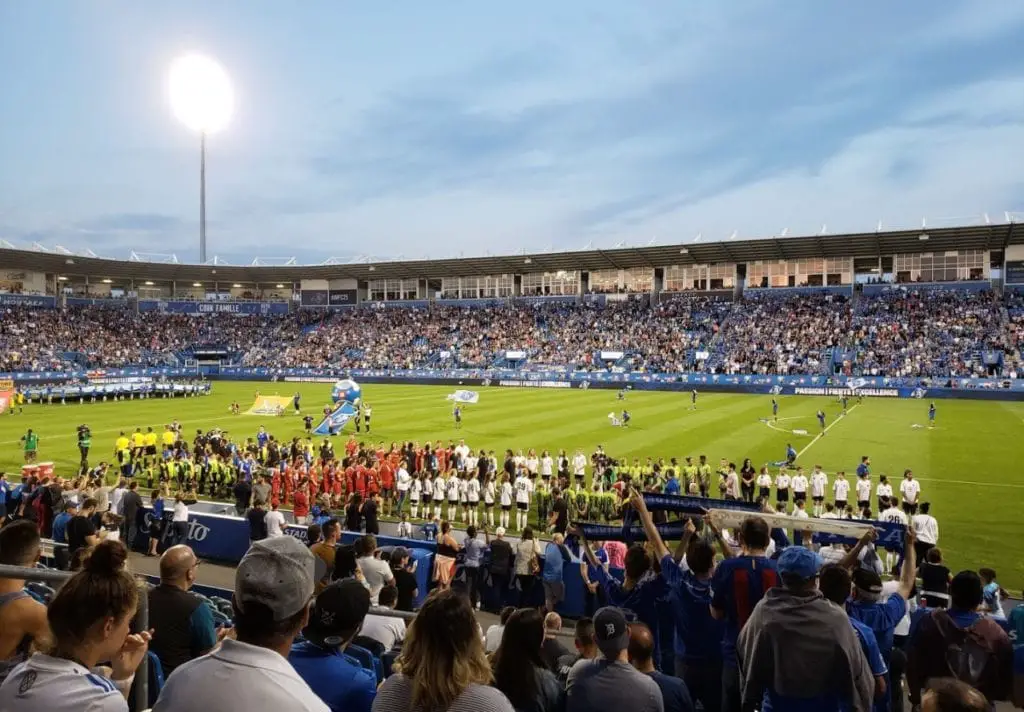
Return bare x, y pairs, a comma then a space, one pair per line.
641, 600
60, 527
553, 562
1016, 621
737, 586
881, 618
1018, 660
673, 692
876, 663
672, 486
343, 685
698, 636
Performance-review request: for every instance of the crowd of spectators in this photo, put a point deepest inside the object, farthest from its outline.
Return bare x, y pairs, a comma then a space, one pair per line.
753, 629
926, 333
900, 332
782, 334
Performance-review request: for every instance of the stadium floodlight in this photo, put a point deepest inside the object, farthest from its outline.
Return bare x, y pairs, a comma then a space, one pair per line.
202, 99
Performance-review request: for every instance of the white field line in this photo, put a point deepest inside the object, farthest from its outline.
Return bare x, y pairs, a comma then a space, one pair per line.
828, 427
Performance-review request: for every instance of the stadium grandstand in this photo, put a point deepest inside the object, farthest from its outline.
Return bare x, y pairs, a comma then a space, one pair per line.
342, 573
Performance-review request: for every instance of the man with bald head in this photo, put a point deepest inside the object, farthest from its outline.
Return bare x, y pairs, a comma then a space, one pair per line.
182, 624
674, 692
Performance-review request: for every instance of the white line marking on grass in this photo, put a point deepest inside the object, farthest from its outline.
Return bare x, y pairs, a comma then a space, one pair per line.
1011, 485
828, 427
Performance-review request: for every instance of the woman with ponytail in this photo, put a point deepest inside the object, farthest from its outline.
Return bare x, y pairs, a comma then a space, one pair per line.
89, 618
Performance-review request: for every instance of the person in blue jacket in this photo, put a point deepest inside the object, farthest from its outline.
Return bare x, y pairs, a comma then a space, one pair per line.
337, 679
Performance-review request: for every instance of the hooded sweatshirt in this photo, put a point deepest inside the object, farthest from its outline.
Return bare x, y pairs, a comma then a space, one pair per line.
799, 647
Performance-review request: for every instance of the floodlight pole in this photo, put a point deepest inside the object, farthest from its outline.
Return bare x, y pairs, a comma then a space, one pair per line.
202, 198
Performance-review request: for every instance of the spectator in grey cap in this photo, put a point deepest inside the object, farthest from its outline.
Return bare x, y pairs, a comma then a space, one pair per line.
797, 648
273, 591
610, 682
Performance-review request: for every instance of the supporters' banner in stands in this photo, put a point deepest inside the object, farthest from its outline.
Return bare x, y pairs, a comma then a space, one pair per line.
603, 532
242, 308
313, 297
890, 535
693, 505
28, 300
342, 297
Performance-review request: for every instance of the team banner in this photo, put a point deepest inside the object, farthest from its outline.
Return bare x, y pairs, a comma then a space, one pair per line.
604, 532
6, 393
241, 308
466, 397
694, 505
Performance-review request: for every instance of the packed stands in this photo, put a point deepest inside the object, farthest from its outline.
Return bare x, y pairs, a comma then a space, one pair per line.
900, 332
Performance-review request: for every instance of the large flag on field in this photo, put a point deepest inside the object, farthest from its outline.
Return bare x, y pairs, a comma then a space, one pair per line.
334, 422
269, 405
469, 397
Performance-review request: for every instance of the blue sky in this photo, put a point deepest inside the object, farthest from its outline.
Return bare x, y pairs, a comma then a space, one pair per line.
412, 129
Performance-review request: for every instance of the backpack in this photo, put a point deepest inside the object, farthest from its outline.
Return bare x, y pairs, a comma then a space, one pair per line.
972, 654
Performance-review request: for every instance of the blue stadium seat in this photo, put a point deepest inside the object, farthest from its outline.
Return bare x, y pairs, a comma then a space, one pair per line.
366, 660
388, 660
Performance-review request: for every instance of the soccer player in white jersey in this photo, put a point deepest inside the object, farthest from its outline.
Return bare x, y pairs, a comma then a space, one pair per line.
863, 492
841, 487
892, 514
473, 493
452, 486
547, 465
415, 491
524, 488
883, 492
819, 482
579, 465
506, 500
462, 450
532, 462
910, 489
782, 490
440, 489
799, 485
490, 490
764, 484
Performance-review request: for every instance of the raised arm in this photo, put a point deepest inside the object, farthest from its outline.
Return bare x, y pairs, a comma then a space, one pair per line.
850, 560
727, 551
908, 573
637, 500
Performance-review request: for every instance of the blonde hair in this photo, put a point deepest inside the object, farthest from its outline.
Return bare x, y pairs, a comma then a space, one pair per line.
443, 653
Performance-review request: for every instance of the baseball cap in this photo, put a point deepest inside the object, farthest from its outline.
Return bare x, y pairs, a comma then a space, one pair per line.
867, 581
611, 631
277, 573
500, 531
799, 561
339, 610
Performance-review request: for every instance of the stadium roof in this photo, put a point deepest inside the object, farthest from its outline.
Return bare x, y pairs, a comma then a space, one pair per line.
866, 244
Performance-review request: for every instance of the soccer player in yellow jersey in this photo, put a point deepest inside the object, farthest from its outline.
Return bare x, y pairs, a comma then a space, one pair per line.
123, 453
149, 441
169, 437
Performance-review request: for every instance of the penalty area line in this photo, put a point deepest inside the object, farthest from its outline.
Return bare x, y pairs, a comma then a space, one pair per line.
828, 427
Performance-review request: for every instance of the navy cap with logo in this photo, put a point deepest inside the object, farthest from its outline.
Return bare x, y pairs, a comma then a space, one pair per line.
338, 613
611, 631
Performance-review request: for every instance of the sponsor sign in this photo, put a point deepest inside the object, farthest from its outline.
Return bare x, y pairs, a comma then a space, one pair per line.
203, 308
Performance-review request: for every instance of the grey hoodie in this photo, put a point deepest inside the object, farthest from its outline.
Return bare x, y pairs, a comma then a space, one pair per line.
801, 645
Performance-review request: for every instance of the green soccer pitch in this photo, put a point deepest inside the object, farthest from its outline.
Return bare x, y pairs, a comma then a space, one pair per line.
966, 464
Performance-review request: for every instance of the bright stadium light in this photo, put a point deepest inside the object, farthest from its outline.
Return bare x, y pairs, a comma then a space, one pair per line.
202, 99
